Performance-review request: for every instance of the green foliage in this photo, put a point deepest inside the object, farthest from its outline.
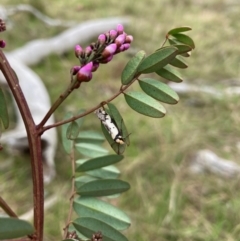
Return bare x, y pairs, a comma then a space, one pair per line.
101, 210
91, 150
4, 120
131, 68
99, 162
87, 226
98, 175
157, 60
103, 187
159, 91
98, 178
144, 104
67, 143
11, 228
179, 63
90, 137
169, 73
186, 40
179, 30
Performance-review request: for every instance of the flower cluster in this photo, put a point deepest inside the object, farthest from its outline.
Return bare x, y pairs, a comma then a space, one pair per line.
2, 28
101, 52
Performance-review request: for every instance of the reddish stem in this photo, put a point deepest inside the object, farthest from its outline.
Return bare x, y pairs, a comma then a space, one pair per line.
122, 89
7, 209
34, 140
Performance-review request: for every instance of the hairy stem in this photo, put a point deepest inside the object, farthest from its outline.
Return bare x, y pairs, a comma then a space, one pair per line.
34, 141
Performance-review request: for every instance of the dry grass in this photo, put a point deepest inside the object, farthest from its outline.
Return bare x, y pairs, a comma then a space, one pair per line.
165, 202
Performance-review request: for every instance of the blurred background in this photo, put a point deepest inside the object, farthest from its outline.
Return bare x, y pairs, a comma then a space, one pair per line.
166, 201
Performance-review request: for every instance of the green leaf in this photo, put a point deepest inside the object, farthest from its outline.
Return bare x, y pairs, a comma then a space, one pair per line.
91, 150
179, 63
103, 187
144, 104
110, 172
11, 228
67, 144
157, 60
74, 127
170, 73
184, 39
3, 111
79, 181
179, 30
90, 137
98, 209
182, 48
159, 91
173, 41
131, 68
88, 226
99, 162
72, 131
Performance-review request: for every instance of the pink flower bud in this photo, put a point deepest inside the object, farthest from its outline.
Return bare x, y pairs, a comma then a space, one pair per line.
78, 50
120, 28
129, 39
2, 44
75, 69
120, 40
109, 50
102, 38
95, 66
88, 50
85, 73
113, 34
106, 60
126, 46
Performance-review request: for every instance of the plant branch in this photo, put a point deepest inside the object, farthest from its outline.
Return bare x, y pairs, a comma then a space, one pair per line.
34, 140
7, 209
122, 89
58, 102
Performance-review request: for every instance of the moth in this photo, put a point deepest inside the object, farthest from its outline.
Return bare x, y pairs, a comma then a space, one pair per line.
110, 125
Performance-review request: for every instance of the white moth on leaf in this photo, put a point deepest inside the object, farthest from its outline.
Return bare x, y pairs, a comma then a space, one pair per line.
110, 125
